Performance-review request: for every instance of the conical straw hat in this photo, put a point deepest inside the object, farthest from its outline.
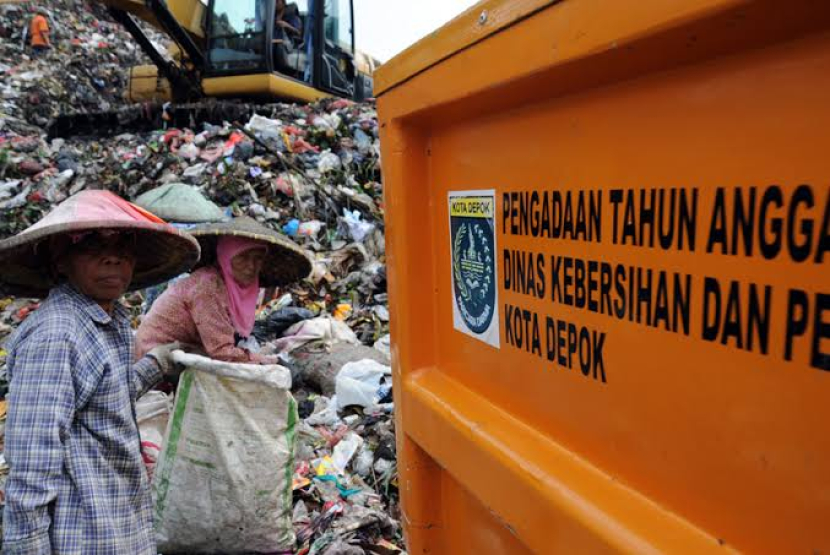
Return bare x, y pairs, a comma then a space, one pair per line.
285, 263
163, 252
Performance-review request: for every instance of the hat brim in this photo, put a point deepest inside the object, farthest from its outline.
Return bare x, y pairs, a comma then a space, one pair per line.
162, 253
285, 262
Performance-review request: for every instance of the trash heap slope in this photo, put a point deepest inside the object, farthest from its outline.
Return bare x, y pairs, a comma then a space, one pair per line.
86, 70
311, 172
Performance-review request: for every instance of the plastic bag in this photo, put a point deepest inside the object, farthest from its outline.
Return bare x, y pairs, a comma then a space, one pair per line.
264, 128
384, 345
291, 228
345, 450
361, 383
310, 229
358, 229
223, 482
364, 462
328, 162
190, 151
152, 411
327, 413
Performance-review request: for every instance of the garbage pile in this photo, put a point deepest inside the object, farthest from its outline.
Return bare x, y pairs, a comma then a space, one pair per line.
311, 172
345, 477
86, 70
12, 313
344, 481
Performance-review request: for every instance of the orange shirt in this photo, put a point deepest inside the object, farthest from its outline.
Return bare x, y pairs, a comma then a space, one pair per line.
37, 30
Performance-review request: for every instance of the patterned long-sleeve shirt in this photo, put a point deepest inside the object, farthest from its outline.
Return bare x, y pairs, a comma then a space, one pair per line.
77, 483
194, 311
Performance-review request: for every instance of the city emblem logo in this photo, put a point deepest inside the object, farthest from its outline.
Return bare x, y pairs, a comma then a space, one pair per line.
474, 280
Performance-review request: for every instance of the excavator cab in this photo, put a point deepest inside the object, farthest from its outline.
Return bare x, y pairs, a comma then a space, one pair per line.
271, 49
309, 42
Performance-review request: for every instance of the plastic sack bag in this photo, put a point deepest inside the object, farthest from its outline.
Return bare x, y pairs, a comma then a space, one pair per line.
223, 482
152, 411
179, 202
362, 383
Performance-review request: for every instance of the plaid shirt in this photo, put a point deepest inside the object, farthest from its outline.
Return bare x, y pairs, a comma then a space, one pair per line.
77, 482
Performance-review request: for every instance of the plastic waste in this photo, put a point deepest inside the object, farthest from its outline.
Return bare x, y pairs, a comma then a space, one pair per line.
310, 229
57, 186
359, 383
382, 466
364, 462
292, 227
358, 229
381, 312
264, 128
324, 329
329, 162
327, 413
195, 171
250, 344
384, 345
342, 312
152, 413
345, 450
319, 369
325, 466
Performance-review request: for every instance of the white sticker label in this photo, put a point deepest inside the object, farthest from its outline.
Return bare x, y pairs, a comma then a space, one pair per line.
474, 272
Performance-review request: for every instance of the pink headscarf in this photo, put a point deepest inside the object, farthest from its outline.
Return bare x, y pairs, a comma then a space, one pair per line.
241, 299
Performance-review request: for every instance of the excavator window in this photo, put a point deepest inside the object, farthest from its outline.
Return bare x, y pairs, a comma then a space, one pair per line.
338, 27
238, 35
291, 56
338, 70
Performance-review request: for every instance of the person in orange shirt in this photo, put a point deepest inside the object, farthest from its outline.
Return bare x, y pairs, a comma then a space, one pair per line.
39, 32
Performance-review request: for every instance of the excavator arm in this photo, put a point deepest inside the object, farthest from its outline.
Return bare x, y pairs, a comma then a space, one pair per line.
183, 22
189, 14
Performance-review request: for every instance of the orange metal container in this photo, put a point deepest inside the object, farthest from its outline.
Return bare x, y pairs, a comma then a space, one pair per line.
608, 226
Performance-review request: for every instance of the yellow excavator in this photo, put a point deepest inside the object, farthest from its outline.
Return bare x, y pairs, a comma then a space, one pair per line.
238, 49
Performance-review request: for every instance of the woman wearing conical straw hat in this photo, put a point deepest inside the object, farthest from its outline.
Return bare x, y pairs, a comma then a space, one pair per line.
77, 482
214, 309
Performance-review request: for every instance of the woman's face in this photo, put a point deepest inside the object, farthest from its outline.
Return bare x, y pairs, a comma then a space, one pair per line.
247, 265
280, 5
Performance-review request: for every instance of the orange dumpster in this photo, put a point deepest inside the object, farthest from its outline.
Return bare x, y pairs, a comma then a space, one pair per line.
608, 227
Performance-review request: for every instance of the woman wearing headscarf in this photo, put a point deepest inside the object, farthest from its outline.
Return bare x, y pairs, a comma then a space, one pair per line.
214, 309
